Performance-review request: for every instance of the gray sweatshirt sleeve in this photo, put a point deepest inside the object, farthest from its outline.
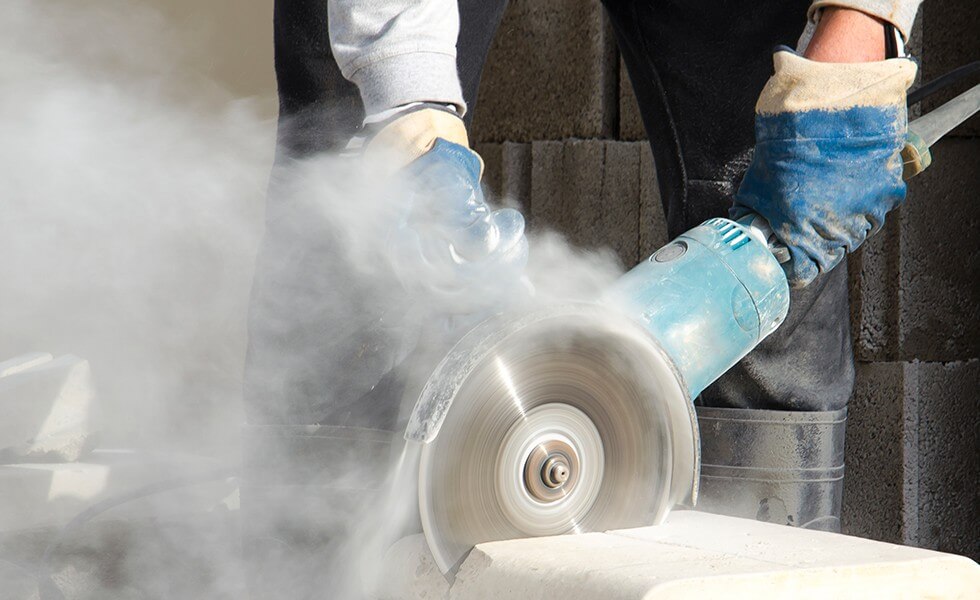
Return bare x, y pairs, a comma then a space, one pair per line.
397, 51
900, 13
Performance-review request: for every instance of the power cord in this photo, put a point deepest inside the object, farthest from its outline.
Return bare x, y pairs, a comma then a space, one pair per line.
942, 82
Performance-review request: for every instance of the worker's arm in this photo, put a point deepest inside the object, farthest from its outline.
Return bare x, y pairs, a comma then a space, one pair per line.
899, 13
830, 127
401, 54
398, 51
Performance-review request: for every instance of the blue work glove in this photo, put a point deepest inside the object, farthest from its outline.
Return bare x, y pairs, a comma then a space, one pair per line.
450, 242
458, 254
827, 166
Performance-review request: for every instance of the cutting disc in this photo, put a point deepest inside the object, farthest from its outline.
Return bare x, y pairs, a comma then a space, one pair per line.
559, 426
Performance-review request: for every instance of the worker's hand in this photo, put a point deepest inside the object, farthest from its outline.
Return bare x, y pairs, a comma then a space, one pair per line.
449, 242
827, 166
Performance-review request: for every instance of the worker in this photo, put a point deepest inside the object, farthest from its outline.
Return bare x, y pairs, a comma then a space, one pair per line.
821, 164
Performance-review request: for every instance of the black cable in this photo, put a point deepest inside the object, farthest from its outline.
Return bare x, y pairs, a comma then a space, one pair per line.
46, 587
891, 44
942, 82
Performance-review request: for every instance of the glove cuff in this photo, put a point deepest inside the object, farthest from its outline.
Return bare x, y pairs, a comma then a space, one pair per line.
803, 85
408, 137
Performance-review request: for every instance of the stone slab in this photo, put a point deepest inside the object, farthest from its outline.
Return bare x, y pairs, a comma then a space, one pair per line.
698, 555
550, 75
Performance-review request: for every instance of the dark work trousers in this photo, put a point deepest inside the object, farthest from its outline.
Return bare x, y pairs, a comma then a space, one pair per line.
697, 67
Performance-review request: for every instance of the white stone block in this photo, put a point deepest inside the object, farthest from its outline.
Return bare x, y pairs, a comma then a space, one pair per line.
36, 495
48, 408
697, 555
23, 362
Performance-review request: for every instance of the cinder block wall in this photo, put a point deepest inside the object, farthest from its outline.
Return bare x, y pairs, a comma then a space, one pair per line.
913, 441
559, 128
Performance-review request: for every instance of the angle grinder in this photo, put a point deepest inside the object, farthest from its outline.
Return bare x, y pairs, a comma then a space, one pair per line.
579, 417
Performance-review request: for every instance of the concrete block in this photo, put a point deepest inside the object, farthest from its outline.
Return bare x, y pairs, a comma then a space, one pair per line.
48, 408
949, 457
551, 74
492, 155
653, 221
630, 123
881, 474
950, 40
872, 273
515, 185
590, 192
698, 555
912, 464
913, 289
507, 173
939, 307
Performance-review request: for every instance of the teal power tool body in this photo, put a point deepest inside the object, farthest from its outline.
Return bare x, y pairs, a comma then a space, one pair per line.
580, 417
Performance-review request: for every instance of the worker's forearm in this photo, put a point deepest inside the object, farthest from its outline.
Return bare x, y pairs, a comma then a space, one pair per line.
847, 36
397, 51
900, 13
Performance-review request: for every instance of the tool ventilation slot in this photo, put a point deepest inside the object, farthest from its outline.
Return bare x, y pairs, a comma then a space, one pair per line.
731, 234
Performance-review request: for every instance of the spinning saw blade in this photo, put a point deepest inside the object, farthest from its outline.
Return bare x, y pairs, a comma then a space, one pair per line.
560, 423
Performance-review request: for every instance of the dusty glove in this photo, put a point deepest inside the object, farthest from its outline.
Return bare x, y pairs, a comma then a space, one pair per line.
827, 166
448, 241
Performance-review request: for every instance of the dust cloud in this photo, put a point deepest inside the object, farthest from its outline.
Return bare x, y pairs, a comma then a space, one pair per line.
132, 208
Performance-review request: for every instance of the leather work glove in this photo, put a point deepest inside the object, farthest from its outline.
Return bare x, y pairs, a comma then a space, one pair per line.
448, 243
827, 166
